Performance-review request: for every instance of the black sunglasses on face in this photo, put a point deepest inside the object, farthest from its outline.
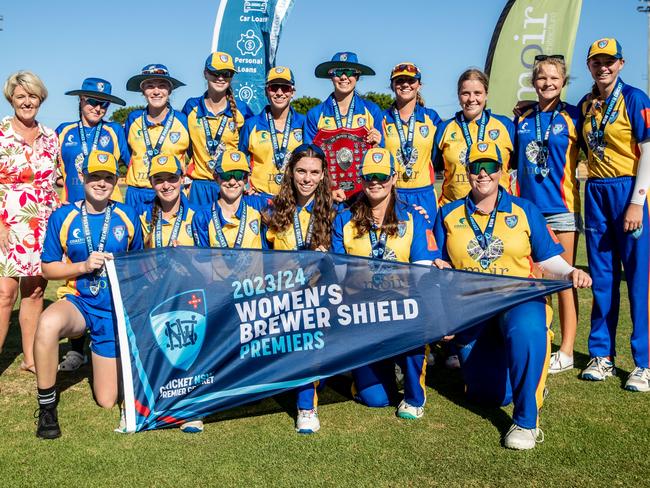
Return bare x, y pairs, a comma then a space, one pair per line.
94, 102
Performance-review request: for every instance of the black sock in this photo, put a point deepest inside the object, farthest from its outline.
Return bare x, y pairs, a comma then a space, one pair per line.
77, 344
47, 397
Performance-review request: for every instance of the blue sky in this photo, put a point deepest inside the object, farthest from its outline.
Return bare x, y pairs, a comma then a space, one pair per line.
64, 42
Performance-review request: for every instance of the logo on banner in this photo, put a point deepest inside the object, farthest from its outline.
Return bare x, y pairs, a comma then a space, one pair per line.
245, 93
255, 6
179, 325
249, 44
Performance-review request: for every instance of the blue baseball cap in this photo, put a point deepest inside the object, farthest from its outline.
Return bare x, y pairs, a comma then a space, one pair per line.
97, 88
220, 61
345, 59
152, 72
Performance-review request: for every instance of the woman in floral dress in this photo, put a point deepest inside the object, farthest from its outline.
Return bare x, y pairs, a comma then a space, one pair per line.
28, 154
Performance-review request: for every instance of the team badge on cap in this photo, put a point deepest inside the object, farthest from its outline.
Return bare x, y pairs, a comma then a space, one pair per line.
279, 70
223, 58
102, 158
100, 86
377, 157
235, 156
602, 43
344, 57
482, 146
162, 159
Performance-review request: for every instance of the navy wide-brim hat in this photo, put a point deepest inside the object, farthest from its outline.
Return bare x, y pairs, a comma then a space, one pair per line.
97, 88
342, 60
152, 72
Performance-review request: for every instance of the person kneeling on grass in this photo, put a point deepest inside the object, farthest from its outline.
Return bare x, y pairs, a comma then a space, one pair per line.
80, 237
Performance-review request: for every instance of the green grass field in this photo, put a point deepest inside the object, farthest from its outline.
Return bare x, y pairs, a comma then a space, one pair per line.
596, 434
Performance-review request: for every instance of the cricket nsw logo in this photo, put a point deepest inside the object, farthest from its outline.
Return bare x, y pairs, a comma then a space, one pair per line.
178, 325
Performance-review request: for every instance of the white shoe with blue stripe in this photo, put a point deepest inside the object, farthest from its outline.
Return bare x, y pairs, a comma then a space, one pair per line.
639, 380
307, 422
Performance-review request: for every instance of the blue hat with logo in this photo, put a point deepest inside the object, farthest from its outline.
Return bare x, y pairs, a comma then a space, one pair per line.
342, 60
152, 72
97, 88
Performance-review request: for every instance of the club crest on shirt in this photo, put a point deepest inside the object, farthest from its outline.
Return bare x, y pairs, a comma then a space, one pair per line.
494, 134
557, 128
613, 117
362, 121
254, 226
424, 131
452, 136
297, 134
188, 229
231, 126
174, 137
511, 220
104, 140
401, 229
118, 232
462, 156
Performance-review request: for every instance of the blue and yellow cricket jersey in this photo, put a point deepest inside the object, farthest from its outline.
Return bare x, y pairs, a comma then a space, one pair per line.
177, 143
559, 192
426, 122
255, 142
195, 110
285, 240
185, 233
414, 240
628, 125
521, 237
366, 114
253, 238
111, 139
451, 149
65, 241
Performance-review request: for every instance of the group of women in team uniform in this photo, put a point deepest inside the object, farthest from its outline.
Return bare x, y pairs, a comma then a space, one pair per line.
258, 182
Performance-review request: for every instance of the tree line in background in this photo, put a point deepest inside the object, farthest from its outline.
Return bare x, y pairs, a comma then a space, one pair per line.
301, 105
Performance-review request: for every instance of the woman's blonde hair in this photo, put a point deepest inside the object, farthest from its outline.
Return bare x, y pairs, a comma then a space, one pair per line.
29, 81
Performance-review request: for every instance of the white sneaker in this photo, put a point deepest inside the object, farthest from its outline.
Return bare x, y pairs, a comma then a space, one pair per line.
192, 427
121, 429
639, 380
598, 369
307, 422
560, 362
452, 362
521, 439
72, 361
407, 411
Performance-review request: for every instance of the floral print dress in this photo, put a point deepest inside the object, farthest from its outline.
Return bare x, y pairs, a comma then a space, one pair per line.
27, 196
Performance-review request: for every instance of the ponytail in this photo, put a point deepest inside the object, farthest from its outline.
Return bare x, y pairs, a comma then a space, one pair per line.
233, 106
150, 240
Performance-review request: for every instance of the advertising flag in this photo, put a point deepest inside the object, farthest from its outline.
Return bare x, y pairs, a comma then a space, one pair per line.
249, 30
525, 29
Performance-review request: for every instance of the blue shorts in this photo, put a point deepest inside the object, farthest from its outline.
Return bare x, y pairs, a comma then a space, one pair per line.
139, 198
204, 192
425, 197
102, 329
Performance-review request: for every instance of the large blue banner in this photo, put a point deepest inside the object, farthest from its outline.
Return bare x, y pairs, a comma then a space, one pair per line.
249, 30
202, 330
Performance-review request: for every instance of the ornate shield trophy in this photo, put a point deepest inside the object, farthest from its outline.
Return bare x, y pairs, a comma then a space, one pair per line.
344, 149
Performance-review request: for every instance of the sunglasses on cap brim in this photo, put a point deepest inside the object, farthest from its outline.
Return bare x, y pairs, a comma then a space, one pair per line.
545, 57
380, 177
306, 147
237, 175
407, 68
490, 167
338, 72
95, 102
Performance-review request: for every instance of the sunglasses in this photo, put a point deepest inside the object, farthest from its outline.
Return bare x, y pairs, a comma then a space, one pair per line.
544, 57
409, 68
306, 147
349, 72
237, 175
222, 73
490, 167
155, 71
380, 177
400, 80
274, 87
94, 102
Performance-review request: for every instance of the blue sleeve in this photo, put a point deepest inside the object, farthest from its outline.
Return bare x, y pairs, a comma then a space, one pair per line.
60, 128
137, 242
200, 228
258, 202
311, 125
377, 118
244, 136
182, 118
245, 110
436, 153
440, 235
52, 248
189, 106
581, 122
125, 153
337, 235
543, 242
638, 110
423, 244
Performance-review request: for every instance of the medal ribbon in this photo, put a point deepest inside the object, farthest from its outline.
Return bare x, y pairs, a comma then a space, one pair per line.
406, 143
297, 230
481, 128
337, 114
151, 151
212, 143
84, 141
378, 246
221, 237
542, 144
599, 133
175, 230
483, 238
279, 153
102, 240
